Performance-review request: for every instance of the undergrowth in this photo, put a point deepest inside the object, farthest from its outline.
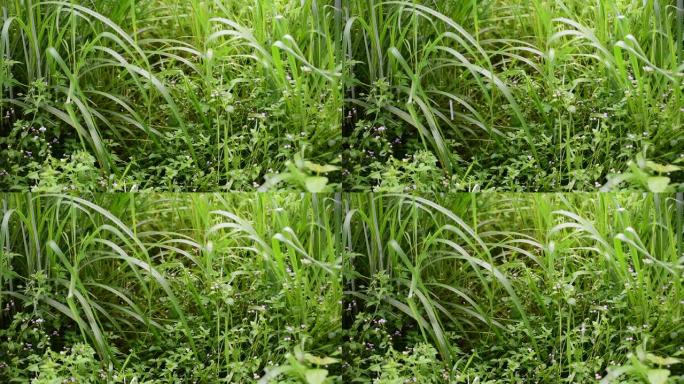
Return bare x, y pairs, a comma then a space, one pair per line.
168, 95
169, 288
514, 288
538, 95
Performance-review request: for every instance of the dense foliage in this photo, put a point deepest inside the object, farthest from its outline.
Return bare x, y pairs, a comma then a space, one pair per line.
403, 252
515, 288
522, 95
169, 288
168, 95
244, 287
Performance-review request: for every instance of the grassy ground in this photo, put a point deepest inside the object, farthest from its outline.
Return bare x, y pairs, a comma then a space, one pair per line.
168, 95
515, 288
538, 95
170, 288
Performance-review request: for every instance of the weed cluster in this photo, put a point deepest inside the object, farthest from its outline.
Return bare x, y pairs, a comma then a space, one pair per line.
165, 95
515, 95
513, 288
169, 288
405, 131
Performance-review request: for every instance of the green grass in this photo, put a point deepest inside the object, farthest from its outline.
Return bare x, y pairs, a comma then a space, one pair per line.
417, 101
170, 287
316, 288
515, 287
514, 95
166, 95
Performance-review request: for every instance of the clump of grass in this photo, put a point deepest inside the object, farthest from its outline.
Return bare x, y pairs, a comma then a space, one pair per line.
167, 95
523, 95
514, 287
170, 287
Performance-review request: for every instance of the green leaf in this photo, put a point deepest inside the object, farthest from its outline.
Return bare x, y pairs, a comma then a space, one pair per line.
317, 376
313, 167
663, 168
320, 360
8, 274
658, 184
316, 184
662, 360
658, 376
